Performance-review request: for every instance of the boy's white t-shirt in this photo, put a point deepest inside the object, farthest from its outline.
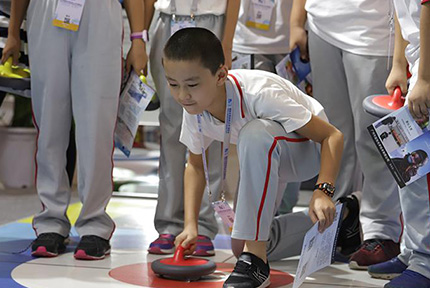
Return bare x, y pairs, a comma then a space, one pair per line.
183, 7
256, 95
408, 14
357, 26
250, 40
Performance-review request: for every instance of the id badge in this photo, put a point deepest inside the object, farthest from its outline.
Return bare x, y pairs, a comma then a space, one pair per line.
260, 13
178, 25
225, 212
68, 14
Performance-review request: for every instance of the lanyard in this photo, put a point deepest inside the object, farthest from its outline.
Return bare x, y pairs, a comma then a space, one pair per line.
173, 8
226, 142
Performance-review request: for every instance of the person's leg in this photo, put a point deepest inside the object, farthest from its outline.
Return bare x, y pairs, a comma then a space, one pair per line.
261, 188
170, 206
416, 213
380, 206
49, 53
95, 83
330, 88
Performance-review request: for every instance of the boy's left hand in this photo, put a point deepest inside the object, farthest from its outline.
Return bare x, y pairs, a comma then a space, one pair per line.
137, 57
419, 99
322, 209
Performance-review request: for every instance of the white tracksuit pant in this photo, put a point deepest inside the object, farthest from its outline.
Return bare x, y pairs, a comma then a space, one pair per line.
269, 159
75, 74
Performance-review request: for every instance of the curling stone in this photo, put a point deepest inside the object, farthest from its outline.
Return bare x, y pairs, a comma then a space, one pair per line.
183, 268
14, 77
381, 105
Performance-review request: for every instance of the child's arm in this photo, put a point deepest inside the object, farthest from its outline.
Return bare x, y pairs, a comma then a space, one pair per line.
231, 15
398, 74
136, 57
321, 207
149, 12
298, 36
13, 43
419, 98
194, 187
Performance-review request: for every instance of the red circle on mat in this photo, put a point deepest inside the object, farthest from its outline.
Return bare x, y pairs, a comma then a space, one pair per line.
142, 275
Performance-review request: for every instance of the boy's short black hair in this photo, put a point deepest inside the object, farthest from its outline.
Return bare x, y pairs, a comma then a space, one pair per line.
196, 44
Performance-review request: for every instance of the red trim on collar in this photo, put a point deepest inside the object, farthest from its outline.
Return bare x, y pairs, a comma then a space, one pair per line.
241, 94
424, 1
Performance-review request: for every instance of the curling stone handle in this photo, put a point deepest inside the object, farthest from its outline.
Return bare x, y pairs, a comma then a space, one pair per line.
397, 95
179, 254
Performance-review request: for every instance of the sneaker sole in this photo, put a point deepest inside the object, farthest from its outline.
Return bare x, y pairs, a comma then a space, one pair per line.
354, 266
384, 276
204, 253
81, 255
159, 251
42, 252
265, 283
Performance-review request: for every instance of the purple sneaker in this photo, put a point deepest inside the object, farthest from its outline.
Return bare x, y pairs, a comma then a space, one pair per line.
409, 279
387, 270
204, 246
164, 244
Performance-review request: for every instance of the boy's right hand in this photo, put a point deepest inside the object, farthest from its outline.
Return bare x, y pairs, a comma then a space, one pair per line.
187, 239
11, 48
299, 38
397, 78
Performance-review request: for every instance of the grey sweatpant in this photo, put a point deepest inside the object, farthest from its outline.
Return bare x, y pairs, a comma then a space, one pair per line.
341, 81
75, 74
169, 215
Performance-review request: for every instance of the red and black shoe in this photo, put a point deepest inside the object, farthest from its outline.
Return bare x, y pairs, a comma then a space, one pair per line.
92, 247
372, 252
49, 245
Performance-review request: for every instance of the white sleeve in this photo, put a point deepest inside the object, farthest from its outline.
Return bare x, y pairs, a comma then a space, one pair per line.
286, 105
190, 135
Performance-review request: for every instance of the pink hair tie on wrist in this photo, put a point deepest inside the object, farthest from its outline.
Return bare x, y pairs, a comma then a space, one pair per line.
140, 35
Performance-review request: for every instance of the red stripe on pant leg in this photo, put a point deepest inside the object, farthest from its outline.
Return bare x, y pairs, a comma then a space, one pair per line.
35, 164
266, 183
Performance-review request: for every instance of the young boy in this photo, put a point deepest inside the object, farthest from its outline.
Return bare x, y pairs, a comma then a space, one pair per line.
276, 128
412, 266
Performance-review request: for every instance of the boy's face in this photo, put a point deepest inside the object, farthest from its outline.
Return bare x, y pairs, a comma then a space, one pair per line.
192, 85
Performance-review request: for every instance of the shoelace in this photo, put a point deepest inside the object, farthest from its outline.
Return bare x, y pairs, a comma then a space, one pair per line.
44, 236
372, 245
242, 267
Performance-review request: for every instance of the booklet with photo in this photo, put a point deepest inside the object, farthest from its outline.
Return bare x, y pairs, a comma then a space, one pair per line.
318, 249
404, 143
134, 98
294, 69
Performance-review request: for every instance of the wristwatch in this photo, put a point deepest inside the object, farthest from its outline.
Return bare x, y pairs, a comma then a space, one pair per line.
327, 188
140, 35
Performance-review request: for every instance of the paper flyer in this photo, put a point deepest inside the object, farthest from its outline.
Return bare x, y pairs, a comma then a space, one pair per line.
318, 249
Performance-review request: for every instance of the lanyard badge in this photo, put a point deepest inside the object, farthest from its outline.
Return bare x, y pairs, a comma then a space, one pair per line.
221, 207
68, 14
260, 14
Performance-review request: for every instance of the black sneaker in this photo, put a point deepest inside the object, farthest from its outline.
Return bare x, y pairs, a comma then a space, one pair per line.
92, 247
349, 239
249, 272
48, 245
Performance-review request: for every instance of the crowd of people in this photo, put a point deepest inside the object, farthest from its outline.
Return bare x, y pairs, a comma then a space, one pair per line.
356, 48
